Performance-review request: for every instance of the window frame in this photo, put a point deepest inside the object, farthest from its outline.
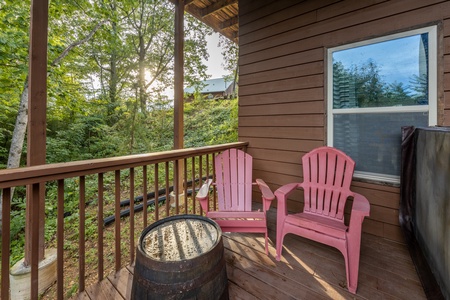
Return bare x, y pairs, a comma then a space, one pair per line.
431, 108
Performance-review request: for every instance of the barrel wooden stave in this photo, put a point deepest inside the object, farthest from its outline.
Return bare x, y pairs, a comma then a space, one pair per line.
202, 277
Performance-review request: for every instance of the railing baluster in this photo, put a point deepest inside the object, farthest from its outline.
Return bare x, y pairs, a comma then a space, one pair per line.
131, 215
34, 223
81, 233
193, 183
60, 241
100, 226
214, 180
167, 190
156, 192
144, 195
117, 218
200, 177
6, 241
207, 170
186, 209
176, 185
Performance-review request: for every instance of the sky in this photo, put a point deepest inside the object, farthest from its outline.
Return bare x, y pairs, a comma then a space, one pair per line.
398, 59
214, 62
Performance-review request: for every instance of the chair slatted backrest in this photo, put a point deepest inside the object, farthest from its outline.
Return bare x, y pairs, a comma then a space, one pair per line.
327, 175
233, 169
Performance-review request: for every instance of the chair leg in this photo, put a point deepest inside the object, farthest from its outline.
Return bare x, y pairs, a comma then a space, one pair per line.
352, 263
279, 244
267, 243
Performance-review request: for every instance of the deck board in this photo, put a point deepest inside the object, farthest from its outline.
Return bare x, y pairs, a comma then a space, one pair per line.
307, 270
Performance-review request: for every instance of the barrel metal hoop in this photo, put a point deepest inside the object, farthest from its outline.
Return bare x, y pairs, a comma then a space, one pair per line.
185, 286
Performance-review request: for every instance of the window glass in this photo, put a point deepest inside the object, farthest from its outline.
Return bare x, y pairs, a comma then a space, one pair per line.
372, 140
390, 73
375, 88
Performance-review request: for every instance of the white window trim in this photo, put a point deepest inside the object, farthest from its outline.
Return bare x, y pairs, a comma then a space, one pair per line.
431, 108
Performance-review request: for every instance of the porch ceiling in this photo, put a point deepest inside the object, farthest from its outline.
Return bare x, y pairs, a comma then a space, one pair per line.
221, 15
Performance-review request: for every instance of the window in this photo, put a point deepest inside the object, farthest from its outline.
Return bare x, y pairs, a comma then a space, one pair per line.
374, 88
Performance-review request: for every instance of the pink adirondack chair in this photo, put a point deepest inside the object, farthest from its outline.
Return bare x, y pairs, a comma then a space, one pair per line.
233, 171
327, 175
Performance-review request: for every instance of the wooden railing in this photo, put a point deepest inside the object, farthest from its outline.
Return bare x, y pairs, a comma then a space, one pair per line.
100, 186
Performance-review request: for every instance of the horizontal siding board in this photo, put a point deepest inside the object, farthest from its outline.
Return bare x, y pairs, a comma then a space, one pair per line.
277, 181
277, 167
446, 29
446, 121
307, 133
284, 144
282, 85
376, 28
385, 15
383, 214
292, 157
299, 16
345, 7
376, 186
381, 198
393, 232
299, 108
447, 82
283, 73
283, 97
447, 45
373, 227
293, 23
252, 11
277, 14
282, 121
279, 61
447, 63
447, 100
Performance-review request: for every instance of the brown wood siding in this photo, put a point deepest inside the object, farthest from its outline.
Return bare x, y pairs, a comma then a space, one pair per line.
282, 84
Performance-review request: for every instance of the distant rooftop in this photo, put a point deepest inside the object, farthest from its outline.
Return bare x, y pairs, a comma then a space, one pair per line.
216, 85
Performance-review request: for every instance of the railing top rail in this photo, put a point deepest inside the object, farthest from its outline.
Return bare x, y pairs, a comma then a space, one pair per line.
49, 172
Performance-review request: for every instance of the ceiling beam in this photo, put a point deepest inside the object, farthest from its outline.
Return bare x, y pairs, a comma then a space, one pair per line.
216, 7
210, 20
228, 23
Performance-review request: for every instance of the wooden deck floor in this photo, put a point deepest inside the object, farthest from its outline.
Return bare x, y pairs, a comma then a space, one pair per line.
308, 270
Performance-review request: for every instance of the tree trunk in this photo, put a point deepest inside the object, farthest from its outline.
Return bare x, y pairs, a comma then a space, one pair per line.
20, 128
141, 80
15, 152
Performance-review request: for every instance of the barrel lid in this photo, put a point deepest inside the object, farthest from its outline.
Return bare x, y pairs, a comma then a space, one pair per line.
180, 238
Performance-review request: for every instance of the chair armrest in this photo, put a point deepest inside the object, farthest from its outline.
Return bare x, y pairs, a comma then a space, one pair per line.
265, 190
361, 205
282, 193
267, 195
360, 209
203, 194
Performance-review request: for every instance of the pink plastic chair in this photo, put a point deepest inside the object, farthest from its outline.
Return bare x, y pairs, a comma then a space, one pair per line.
327, 175
233, 171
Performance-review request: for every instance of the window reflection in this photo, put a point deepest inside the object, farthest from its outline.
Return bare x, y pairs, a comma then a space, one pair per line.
389, 73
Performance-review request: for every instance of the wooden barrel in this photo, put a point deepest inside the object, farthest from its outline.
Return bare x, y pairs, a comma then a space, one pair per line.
180, 257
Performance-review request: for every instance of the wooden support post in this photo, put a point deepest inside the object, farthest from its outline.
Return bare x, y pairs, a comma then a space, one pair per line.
179, 93
34, 274
37, 114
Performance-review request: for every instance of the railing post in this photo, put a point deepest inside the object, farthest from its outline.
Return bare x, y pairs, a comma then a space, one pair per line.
6, 241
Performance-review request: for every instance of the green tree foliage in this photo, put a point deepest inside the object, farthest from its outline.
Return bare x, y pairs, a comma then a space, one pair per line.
363, 86
117, 76
14, 19
109, 62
